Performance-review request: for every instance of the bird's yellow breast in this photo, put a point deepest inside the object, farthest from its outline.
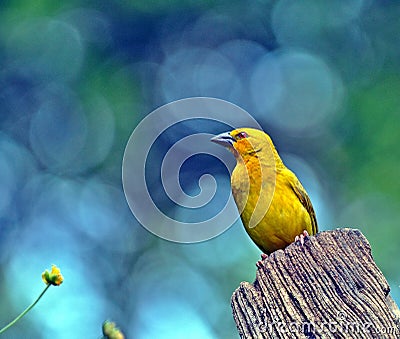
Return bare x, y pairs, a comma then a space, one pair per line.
270, 210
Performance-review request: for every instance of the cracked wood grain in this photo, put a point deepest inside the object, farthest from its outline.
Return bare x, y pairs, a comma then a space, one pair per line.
328, 288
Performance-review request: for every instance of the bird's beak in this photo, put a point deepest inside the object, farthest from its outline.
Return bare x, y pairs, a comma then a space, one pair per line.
224, 139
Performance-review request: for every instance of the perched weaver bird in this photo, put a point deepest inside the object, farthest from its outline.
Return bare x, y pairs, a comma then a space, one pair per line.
273, 205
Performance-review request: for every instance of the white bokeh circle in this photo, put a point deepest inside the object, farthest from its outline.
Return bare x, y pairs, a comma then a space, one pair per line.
134, 166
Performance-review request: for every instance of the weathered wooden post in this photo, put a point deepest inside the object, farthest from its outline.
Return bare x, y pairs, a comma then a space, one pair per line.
328, 288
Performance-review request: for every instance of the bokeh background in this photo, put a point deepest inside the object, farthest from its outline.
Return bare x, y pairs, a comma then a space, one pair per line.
323, 78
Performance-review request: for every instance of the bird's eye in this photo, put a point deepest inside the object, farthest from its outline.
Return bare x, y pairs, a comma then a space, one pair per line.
241, 135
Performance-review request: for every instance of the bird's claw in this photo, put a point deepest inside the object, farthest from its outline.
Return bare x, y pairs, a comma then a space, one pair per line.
259, 263
301, 237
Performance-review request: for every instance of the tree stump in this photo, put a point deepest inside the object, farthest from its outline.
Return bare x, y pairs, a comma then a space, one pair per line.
328, 288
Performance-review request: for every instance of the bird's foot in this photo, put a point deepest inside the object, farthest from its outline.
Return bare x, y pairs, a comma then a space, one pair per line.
259, 263
301, 237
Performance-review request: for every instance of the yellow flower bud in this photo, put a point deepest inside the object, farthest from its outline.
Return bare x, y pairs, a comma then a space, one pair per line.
111, 331
54, 277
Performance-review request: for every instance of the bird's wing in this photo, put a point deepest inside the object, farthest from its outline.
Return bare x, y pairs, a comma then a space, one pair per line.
301, 193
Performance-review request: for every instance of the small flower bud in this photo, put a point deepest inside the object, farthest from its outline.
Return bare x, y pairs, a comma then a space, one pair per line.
111, 331
54, 277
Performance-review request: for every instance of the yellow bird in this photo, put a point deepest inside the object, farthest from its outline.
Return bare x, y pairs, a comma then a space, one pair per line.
273, 205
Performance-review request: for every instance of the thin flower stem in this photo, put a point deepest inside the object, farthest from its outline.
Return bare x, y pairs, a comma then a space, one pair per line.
26, 310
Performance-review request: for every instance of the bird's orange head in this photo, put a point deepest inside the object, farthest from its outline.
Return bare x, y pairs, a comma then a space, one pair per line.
247, 142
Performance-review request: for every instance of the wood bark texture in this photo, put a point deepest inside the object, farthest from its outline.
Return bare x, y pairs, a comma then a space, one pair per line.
328, 288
